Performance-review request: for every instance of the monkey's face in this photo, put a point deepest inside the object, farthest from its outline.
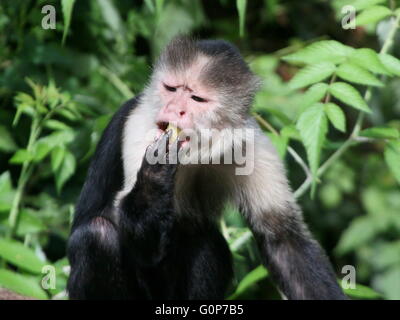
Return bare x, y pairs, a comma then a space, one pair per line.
186, 101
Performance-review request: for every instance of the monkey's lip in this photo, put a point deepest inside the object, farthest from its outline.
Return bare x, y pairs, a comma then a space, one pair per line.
162, 127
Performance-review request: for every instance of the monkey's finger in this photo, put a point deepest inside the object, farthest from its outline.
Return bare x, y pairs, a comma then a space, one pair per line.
161, 147
173, 152
164, 141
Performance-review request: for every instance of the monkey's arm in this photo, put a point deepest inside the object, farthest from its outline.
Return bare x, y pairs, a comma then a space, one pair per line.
295, 260
146, 213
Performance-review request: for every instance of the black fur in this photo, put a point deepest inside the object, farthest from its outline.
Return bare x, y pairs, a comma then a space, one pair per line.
145, 253
298, 265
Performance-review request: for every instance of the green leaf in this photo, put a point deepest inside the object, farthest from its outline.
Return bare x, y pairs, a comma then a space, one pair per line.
61, 265
372, 15
57, 156
363, 4
58, 138
380, 133
356, 74
387, 255
391, 63
280, 143
111, 15
21, 284
241, 8
5, 182
389, 283
29, 222
21, 156
392, 158
24, 104
159, 6
150, 5
330, 195
360, 232
67, 114
314, 94
17, 254
321, 51
7, 143
40, 150
56, 125
66, 170
67, 6
362, 292
313, 127
7, 192
249, 280
349, 95
370, 60
290, 132
312, 74
336, 116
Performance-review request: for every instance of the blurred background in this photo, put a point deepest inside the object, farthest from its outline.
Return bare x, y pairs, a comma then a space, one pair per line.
59, 87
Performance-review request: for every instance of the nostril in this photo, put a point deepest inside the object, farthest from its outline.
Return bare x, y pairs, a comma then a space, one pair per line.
182, 113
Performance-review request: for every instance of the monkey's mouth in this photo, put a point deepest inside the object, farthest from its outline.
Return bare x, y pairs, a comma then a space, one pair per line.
163, 126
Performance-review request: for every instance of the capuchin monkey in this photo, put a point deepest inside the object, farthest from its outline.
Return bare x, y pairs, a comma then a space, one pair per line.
146, 229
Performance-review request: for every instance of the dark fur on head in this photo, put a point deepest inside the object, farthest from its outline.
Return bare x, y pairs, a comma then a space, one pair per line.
226, 71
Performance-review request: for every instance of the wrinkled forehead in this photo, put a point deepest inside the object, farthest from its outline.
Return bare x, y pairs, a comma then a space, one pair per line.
191, 74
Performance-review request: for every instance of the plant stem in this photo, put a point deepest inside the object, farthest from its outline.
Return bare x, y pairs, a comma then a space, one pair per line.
117, 82
24, 176
291, 151
328, 95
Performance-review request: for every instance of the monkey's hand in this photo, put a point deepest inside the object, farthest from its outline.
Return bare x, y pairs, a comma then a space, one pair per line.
159, 165
147, 212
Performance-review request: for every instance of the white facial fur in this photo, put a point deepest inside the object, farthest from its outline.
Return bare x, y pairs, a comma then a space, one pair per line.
263, 195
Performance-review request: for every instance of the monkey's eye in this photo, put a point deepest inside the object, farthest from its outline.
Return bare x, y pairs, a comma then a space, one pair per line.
198, 99
172, 89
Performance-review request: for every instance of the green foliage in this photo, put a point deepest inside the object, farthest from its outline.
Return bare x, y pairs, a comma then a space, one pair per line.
322, 51
21, 284
392, 157
353, 73
373, 14
250, 280
348, 95
19, 255
362, 292
313, 127
336, 116
67, 7
312, 74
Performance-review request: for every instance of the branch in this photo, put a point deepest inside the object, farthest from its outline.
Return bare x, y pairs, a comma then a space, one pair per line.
291, 151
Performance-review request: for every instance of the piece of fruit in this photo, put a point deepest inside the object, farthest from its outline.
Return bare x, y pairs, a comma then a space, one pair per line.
175, 132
